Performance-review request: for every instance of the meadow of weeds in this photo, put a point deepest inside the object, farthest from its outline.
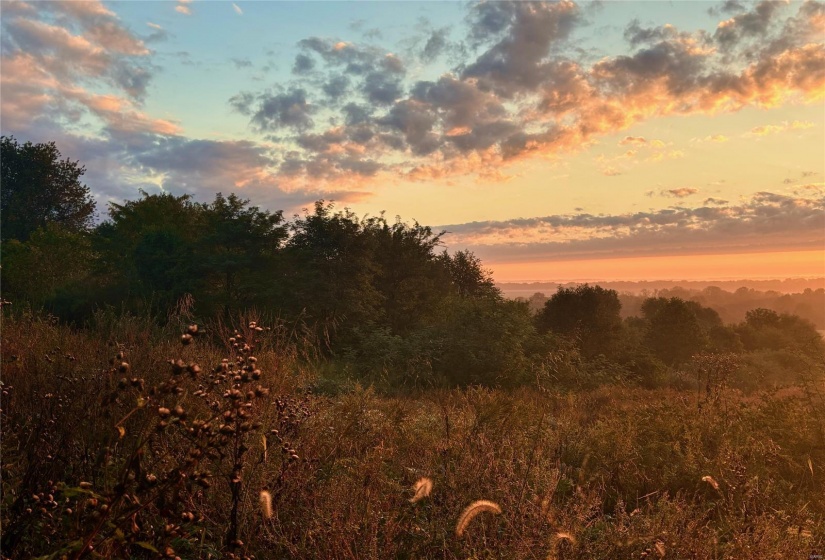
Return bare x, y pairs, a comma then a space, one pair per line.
131, 441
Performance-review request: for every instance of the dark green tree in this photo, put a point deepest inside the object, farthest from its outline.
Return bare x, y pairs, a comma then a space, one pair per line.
764, 329
590, 314
52, 258
331, 271
484, 341
239, 246
147, 250
674, 333
37, 188
409, 275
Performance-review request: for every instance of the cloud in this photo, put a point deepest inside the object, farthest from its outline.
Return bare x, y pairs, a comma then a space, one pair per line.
353, 113
641, 151
632, 141
680, 192
158, 34
715, 201
747, 24
183, 7
526, 31
715, 138
56, 53
527, 91
303, 64
437, 43
769, 129
765, 222
728, 6
241, 63
274, 111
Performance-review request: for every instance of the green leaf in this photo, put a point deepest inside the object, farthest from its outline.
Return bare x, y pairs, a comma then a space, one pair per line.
147, 546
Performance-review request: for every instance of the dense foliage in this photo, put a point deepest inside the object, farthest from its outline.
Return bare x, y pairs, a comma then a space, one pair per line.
39, 189
382, 298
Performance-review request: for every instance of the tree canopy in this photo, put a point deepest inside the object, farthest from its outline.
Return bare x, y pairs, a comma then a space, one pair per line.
40, 188
591, 314
384, 298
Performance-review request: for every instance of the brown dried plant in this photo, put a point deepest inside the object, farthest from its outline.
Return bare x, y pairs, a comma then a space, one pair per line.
422, 489
471, 511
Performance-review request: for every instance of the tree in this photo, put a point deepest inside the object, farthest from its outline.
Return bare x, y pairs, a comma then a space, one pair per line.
51, 259
410, 276
468, 276
483, 341
331, 270
162, 246
674, 333
38, 188
764, 329
239, 245
589, 313
147, 249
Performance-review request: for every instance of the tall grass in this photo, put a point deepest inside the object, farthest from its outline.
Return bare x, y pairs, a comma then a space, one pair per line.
601, 472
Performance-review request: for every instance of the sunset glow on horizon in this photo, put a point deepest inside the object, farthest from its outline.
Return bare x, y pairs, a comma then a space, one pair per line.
753, 266
558, 141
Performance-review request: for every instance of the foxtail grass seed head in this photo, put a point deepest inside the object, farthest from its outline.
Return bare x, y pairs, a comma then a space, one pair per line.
565, 536
471, 511
660, 549
556, 545
266, 504
710, 480
422, 489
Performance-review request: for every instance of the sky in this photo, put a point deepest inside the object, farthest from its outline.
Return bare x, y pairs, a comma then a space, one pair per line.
558, 141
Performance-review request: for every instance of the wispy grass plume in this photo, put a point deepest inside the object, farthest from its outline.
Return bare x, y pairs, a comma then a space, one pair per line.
471, 511
422, 489
266, 504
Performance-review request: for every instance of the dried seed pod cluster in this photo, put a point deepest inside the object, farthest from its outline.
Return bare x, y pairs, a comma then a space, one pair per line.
188, 444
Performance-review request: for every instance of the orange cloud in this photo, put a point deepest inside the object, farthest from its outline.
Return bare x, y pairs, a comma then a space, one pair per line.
768, 129
632, 140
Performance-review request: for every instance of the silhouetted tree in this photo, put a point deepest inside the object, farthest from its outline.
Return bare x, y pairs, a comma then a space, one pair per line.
468, 276
331, 269
147, 250
239, 245
484, 341
38, 188
674, 333
409, 274
764, 329
590, 314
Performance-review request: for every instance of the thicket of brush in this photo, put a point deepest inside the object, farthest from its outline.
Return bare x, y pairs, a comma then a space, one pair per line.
131, 440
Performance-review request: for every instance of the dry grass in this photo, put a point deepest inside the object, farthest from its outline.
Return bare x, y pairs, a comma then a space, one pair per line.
605, 473
471, 511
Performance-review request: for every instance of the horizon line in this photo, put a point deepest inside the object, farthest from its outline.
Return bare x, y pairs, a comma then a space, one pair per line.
725, 279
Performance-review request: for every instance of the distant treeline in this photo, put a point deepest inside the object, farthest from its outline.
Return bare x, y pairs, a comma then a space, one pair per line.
381, 300
731, 306
642, 287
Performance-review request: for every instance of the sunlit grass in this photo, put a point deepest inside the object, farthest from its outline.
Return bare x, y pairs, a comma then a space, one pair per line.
605, 472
